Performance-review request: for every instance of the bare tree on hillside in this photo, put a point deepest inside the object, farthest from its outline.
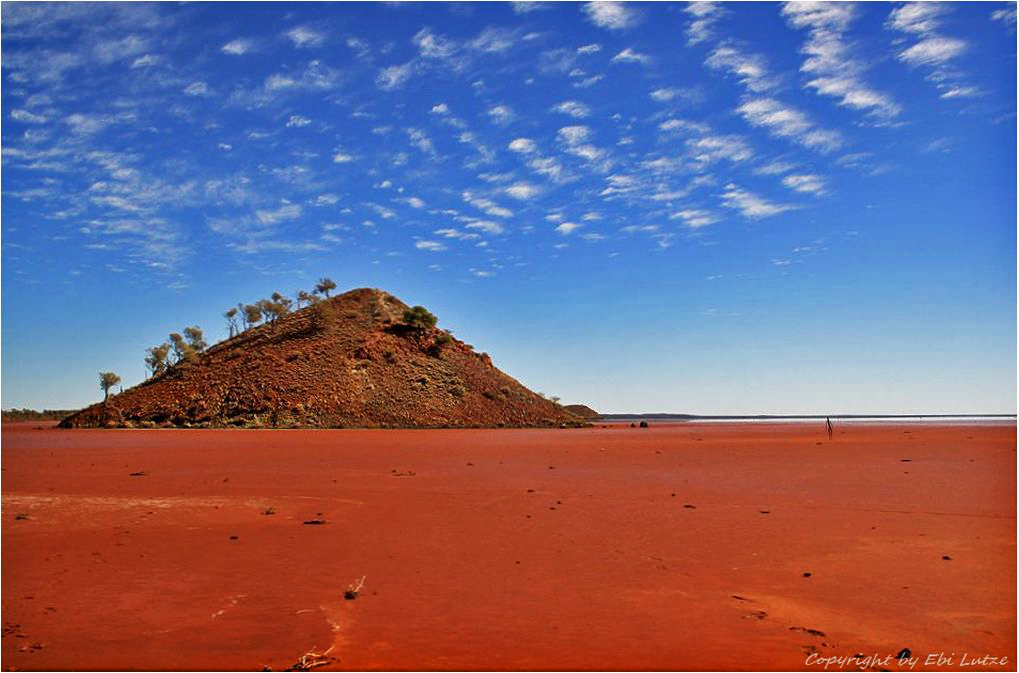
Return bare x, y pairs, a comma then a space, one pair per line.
157, 358
106, 381
252, 315
231, 321
324, 285
283, 303
182, 350
195, 338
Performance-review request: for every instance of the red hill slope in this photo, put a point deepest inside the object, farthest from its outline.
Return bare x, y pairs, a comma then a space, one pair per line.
350, 361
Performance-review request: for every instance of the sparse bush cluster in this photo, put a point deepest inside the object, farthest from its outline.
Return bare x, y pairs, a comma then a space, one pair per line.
267, 311
180, 348
187, 346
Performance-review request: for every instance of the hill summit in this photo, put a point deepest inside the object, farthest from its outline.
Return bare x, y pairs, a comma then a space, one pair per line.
354, 360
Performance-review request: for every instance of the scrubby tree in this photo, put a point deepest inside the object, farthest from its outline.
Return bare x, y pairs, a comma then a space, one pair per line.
106, 381
303, 297
252, 315
283, 303
324, 285
231, 321
195, 338
182, 350
419, 317
157, 358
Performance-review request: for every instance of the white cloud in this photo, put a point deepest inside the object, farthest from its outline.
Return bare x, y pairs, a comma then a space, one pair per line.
694, 219
1006, 15
788, 122
523, 146
433, 46
115, 50
713, 148
415, 202
486, 226
830, 59
297, 121
501, 114
287, 211
85, 124
523, 191
27, 117
480, 273
304, 36
493, 41
573, 109
933, 51
916, 17
664, 95
456, 234
520, 7
749, 68
238, 47
574, 135
855, 95
420, 140
749, 204
548, 167
630, 56
431, 246
775, 168
961, 92
394, 76
342, 158
325, 200
683, 125
705, 15
440, 109
610, 14
145, 61
593, 48
567, 228
197, 89
811, 184
486, 205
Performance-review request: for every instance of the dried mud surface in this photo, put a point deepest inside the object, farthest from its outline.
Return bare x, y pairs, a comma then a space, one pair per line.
729, 547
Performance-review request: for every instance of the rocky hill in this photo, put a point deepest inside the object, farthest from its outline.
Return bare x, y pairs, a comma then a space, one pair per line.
582, 410
349, 361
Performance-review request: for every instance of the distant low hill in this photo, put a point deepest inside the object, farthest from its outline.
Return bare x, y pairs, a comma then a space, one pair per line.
350, 361
22, 415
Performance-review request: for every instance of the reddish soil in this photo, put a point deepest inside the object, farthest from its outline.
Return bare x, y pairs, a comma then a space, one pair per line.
349, 361
675, 547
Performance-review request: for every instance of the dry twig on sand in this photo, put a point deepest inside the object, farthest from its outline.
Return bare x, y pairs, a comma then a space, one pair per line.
354, 589
311, 660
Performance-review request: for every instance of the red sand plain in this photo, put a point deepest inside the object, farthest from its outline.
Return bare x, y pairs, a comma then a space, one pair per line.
676, 547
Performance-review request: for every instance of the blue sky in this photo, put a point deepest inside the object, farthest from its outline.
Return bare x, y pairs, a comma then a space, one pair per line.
703, 207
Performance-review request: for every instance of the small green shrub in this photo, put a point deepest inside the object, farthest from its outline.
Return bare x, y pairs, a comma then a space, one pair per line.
419, 317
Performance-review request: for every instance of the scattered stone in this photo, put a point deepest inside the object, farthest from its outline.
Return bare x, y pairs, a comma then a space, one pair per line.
690, 506
21, 517
269, 512
643, 424
764, 511
354, 589
141, 473
233, 537
812, 632
314, 522
946, 558
807, 574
